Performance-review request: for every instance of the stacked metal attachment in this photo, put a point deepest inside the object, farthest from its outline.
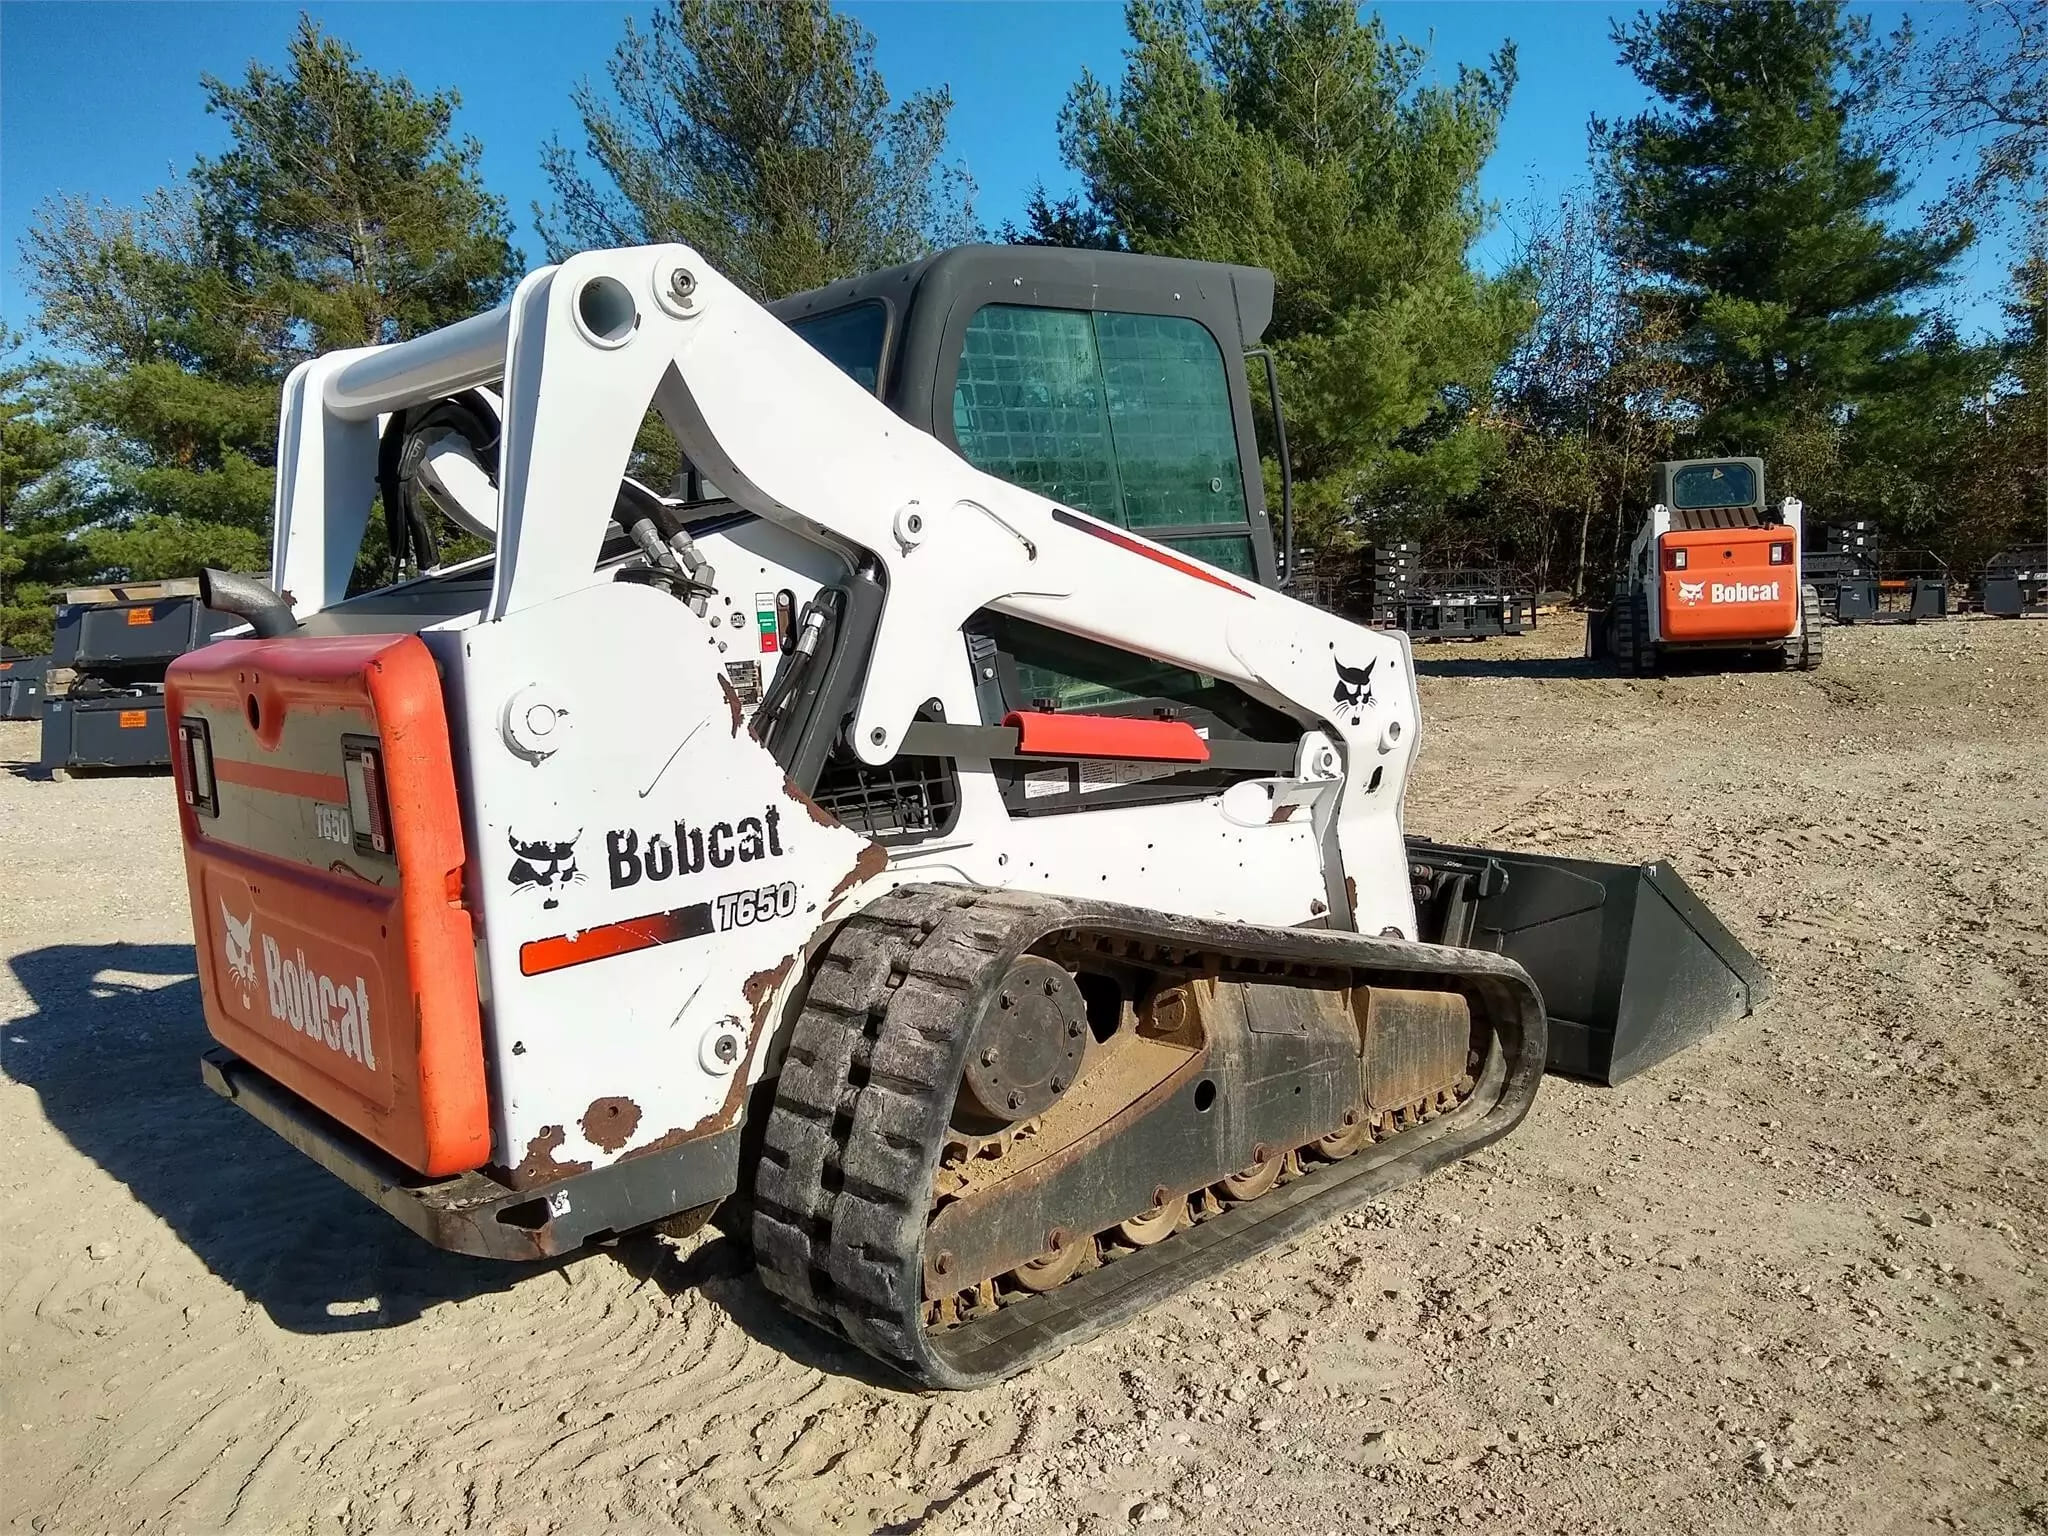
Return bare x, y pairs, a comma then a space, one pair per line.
1392, 572
2015, 583
21, 686
1468, 604
103, 704
1841, 565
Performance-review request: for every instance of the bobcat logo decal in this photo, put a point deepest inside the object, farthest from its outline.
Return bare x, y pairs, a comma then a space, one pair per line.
1354, 687
239, 950
544, 866
1691, 591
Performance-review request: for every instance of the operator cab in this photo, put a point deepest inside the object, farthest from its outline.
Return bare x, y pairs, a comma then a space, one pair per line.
1105, 381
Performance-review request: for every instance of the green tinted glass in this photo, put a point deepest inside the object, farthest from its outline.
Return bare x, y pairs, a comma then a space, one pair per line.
1700, 486
851, 339
1234, 555
1169, 414
1126, 417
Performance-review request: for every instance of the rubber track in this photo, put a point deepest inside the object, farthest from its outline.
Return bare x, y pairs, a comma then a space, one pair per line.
842, 1190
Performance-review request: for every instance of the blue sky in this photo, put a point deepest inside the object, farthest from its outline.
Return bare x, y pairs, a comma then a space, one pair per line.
104, 100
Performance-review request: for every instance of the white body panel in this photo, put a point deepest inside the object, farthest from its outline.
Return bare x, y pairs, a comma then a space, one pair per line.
644, 735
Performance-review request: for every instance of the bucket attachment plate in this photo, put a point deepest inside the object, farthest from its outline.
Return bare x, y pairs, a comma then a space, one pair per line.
1631, 964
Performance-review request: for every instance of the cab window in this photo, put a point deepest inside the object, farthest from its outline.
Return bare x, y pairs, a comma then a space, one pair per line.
1125, 417
1698, 487
850, 339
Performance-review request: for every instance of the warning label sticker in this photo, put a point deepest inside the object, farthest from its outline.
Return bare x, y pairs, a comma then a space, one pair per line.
745, 677
1041, 783
1100, 775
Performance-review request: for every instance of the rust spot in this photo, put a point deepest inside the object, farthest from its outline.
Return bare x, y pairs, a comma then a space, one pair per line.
732, 701
610, 1123
872, 861
539, 1165
760, 991
1351, 896
760, 987
1283, 813
819, 814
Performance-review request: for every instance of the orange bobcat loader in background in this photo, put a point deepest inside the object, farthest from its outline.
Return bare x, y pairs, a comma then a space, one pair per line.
1713, 568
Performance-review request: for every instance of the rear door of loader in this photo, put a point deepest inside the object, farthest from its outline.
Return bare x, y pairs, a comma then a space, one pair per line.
1728, 584
324, 860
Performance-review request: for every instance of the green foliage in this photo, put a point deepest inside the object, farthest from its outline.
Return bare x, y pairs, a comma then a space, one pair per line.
1756, 202
1066, 221
1292, 135
1753, 205
34, 544
343, 213
346, 202
760, 133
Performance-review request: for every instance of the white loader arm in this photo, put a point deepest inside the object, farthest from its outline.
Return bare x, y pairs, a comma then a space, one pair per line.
584, 347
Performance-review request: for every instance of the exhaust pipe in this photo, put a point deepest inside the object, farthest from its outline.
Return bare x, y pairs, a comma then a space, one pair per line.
247, 598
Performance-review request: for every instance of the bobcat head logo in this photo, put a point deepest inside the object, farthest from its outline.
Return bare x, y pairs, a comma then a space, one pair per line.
240, 953
544, 866
1354, 687
1691, 591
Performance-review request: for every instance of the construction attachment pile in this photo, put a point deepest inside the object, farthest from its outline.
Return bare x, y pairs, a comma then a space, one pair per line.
103, 697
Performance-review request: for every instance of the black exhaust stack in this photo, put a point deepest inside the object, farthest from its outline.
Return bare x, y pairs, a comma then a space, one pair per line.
247, 598
1632, 966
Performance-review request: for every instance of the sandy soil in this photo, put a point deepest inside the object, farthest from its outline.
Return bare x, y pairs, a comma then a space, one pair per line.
1794, 1281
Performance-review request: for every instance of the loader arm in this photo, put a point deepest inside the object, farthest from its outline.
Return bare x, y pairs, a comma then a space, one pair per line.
583, 348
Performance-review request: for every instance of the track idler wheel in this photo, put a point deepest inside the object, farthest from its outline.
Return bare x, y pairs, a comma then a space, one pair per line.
1027, 1048
1157, 1224
1254, 1181
1338, 1145
1057, 1265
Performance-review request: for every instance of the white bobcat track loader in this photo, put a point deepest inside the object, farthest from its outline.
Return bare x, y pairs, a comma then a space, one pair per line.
1012, 911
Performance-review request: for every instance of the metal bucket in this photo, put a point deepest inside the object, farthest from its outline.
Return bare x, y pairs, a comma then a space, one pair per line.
1631, 964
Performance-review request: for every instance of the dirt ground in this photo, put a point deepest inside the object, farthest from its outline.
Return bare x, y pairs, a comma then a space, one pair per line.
1796, 1280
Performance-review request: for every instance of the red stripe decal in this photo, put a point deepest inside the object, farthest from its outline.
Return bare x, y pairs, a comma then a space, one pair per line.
537, 957
1139, 547
282, 781
1162, 741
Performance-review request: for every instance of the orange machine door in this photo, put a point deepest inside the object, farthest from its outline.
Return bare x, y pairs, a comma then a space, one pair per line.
1727, 587
324, 856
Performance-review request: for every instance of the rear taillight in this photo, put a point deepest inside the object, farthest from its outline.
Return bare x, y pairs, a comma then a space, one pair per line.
195, 751
362, 766
1781, 554
1674, 559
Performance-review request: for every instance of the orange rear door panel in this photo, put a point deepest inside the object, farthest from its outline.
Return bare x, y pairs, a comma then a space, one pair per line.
347, 975
1729, 589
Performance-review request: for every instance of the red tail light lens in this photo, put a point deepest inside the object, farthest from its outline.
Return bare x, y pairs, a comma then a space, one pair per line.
1674, 559
195, 754
1781, 554
369, 812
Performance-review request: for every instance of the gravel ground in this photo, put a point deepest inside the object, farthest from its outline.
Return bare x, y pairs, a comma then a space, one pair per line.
1790, 1281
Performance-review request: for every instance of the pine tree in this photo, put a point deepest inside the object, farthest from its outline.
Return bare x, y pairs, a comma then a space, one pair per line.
344, 212
1757, 205
1291, 135
760, 133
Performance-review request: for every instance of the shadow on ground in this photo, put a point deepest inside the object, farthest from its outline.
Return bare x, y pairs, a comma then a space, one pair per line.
1476, 663
721, 1268
111, 1047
